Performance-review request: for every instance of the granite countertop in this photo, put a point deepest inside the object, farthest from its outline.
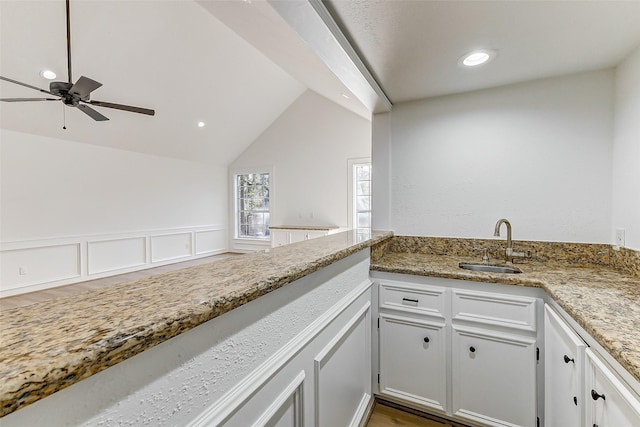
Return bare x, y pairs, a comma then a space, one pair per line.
304, 227
605, 302
48, 346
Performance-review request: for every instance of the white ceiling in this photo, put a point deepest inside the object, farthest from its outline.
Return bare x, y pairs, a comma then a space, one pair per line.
238, 64
172, 56
412, 47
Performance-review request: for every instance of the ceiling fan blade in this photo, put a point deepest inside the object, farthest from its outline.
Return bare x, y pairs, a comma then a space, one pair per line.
28, 99
84, 86
124, 107
92, 113
24, 84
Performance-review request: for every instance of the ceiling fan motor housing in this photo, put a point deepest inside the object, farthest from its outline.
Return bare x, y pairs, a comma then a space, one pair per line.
62, 89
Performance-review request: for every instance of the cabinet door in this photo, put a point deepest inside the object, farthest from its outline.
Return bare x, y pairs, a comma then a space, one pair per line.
610, 403
563, 358
313, 234
298, 236
494, 377
279, 238
413, 360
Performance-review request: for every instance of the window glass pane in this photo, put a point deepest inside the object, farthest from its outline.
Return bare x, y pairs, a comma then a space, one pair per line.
362, 197
364, 220
363, 203
253, 205
363, 188
363, 172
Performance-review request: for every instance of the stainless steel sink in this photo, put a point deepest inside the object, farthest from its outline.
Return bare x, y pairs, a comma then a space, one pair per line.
490, 268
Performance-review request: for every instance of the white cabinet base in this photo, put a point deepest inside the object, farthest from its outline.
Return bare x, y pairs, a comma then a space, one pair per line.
416, 375
609, 402
494, 377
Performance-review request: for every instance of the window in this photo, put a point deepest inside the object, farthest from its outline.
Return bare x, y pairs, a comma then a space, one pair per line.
252, 206
362, 196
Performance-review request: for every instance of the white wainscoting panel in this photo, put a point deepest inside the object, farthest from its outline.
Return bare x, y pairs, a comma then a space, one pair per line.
33, 266
171, 246
342, 373
208, 241
286, 409
116, 254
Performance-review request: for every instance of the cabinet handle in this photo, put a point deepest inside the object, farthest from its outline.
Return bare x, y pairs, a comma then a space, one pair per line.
567, 359
410, 300
472, 349
596, 396
575, 400
426, 339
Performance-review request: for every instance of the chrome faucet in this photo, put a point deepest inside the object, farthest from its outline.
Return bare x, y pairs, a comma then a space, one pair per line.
509, 253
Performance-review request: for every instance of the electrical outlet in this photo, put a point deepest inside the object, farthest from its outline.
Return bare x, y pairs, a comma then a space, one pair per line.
620, 237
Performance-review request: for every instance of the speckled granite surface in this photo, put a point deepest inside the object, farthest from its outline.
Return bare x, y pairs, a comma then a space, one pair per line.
48, 346
303, 227
605, 301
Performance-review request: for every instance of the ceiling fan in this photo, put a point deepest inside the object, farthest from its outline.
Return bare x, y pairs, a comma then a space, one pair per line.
75, 94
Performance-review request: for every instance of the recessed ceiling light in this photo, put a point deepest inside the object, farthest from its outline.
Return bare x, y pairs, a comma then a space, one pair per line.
477, 57
200, 124
48, 74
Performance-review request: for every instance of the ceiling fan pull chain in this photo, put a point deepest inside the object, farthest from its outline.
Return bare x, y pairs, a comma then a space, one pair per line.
64, 118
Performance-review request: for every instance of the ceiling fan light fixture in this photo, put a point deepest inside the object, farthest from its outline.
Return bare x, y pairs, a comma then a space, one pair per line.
477, 57
48, 74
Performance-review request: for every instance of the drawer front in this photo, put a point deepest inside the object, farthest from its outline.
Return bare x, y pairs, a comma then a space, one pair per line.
419, 299
494, 309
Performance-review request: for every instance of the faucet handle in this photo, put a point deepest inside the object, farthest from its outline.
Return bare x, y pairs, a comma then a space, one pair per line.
485, 254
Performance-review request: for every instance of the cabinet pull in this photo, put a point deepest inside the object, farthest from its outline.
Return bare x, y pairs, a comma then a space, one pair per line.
596, 396
567, 359
410, 300
575, 400
472, 349
426, 339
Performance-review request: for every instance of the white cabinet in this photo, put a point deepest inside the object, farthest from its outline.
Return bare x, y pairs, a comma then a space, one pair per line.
494, 359
302, 235
564, 361
281, 236
412, 360
609, 402
494, 377
413, 349
466, 354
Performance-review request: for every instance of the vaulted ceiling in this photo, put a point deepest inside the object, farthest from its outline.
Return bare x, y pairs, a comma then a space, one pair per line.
173, 56
238, 64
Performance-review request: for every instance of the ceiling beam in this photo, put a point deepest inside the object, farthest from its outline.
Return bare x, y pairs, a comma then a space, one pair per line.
315, 25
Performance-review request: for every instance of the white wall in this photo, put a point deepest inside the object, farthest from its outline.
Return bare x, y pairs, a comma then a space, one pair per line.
626, 152
537, 153
137, 209
308, 147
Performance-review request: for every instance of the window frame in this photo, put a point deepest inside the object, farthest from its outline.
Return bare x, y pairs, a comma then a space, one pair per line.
352, 192
240, 243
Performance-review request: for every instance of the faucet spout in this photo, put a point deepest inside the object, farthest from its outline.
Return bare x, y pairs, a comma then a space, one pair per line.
496, 232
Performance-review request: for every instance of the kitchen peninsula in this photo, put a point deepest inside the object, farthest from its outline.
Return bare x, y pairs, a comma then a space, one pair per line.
202, 329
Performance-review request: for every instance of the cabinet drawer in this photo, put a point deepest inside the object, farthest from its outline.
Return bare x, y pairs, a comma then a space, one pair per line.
419, 299
494, 309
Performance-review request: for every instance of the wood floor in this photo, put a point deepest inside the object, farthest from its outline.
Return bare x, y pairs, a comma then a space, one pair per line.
68, 290
386, 414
